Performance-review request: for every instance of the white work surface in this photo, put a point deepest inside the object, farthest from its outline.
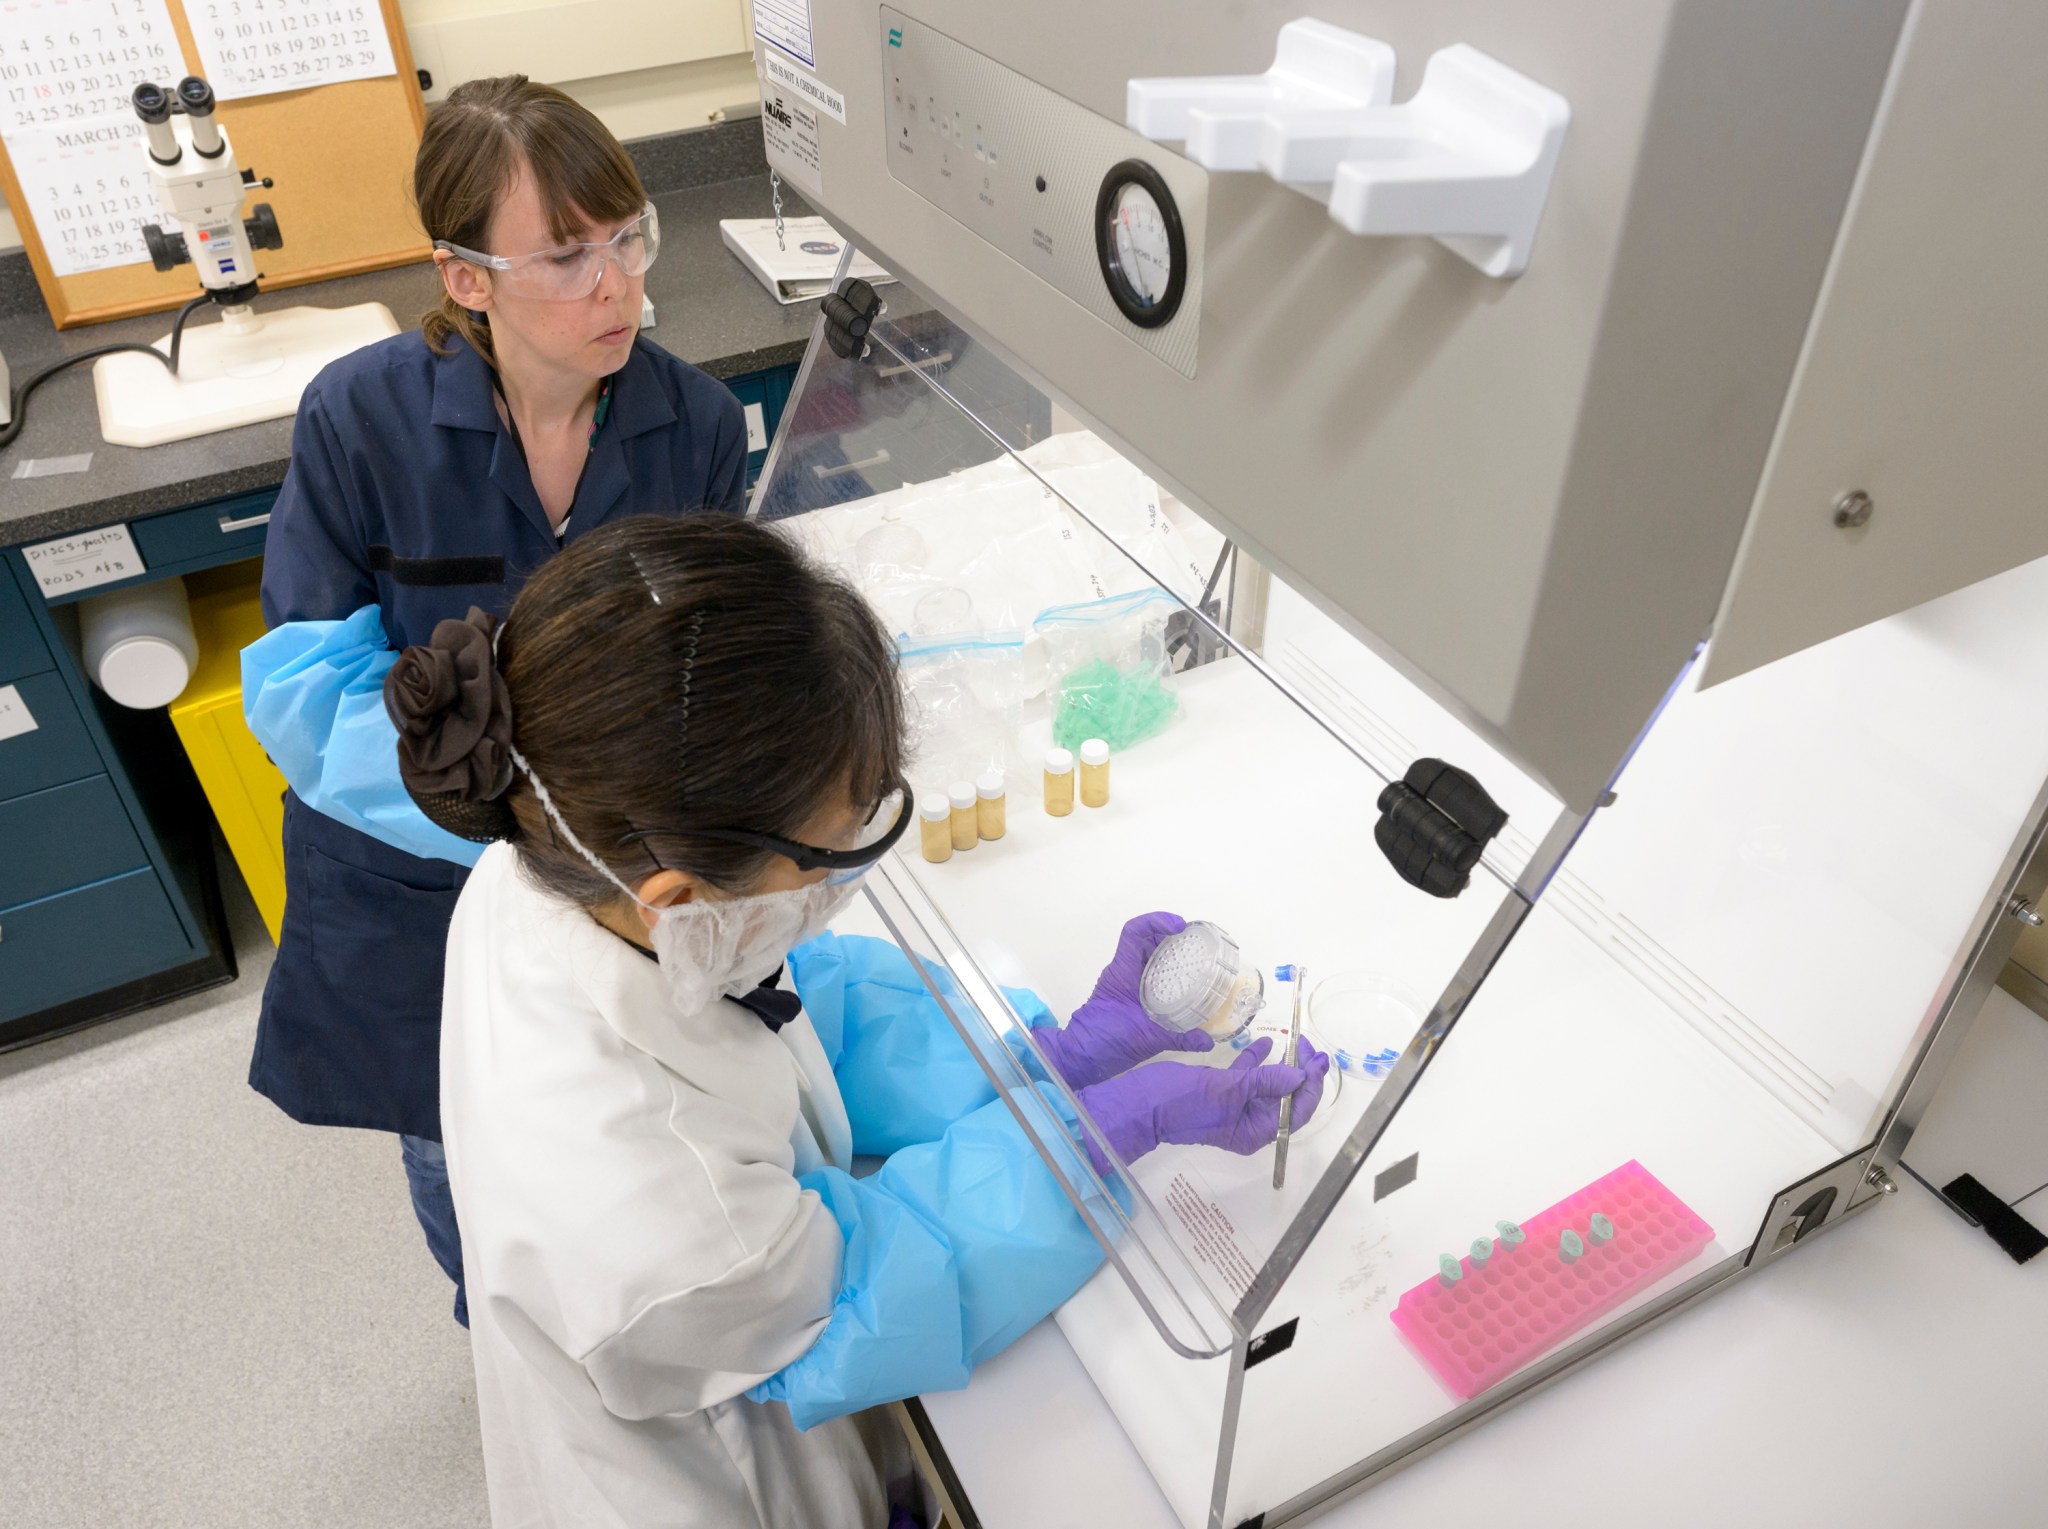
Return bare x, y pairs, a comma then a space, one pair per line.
1887, 1373
1209, 819
1246, 814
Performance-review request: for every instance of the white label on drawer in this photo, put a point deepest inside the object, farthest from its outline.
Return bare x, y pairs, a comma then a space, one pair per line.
757, 427
72, 563
14, 714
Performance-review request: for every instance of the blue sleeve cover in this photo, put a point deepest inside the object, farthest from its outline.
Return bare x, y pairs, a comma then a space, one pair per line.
954, 1250
903, 1071
313, 694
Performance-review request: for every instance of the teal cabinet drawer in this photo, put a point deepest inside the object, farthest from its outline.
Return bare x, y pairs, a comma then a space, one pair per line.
752, 388
752, 391
778, 383
205, 532
85, 941
59, 750
63, 838
21, 641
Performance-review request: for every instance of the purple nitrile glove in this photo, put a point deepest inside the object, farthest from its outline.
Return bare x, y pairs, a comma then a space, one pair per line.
1236, 1108
1111, 1031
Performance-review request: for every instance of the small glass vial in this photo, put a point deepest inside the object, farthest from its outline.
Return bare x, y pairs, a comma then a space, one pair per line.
1094, 773
935, 826
991, 810
1059, 783
966, 830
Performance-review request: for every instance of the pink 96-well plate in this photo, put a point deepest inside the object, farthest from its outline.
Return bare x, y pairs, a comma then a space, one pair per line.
1525, 1300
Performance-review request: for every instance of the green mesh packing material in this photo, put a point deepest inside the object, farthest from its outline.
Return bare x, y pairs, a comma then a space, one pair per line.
1119, 706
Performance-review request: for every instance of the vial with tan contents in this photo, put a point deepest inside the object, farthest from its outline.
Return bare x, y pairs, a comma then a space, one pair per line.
991, 808
966, 831
1059, 783
935, 826
1094, 773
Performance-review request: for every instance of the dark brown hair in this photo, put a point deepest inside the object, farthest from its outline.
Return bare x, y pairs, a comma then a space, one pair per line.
698, 672
470, 155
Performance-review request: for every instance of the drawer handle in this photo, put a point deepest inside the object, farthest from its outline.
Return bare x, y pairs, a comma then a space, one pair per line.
862, 465
940, 359
229, 525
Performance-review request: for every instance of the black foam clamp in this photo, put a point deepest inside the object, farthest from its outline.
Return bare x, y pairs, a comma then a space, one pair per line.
1434, 824
849, 314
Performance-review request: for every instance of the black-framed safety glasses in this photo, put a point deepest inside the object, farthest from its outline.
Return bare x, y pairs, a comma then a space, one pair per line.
880, 834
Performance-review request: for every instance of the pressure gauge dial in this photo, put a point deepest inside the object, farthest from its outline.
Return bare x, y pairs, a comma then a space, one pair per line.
1140, 244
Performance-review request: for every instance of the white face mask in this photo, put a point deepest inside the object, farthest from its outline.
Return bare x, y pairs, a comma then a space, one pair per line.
715, 949
711, 950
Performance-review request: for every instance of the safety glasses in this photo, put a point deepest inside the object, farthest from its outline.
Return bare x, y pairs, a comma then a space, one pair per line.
571, 271
890, 818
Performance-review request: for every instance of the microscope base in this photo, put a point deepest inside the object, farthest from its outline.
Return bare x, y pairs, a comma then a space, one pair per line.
229, 373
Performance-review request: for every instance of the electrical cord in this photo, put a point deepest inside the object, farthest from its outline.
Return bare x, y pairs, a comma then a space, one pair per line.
19, 401
178, 326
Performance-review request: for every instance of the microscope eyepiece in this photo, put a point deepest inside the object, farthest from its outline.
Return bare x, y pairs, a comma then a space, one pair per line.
197, 96
153, 106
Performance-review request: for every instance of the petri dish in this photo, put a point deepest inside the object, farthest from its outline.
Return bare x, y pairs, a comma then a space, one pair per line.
889, 554
1273, 1022
1358, 1015
942, 612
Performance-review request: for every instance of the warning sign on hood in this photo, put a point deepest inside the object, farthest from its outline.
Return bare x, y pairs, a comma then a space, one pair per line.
789, 128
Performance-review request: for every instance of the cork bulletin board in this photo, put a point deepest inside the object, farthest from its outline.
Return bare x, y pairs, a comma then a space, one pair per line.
340, 154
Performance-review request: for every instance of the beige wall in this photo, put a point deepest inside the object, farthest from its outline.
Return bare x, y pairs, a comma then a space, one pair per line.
644, 66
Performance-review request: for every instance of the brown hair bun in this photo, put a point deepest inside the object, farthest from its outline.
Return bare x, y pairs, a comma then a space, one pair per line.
454, 720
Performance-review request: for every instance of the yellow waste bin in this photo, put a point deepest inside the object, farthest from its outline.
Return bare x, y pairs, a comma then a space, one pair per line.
244, 787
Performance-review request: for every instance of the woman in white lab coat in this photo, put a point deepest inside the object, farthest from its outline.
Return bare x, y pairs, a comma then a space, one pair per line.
680, 1299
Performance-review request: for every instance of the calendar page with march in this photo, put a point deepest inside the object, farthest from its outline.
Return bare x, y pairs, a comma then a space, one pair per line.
68, 69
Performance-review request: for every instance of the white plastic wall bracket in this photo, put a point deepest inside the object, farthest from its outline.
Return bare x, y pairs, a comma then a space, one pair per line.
1222, 119
1468, 160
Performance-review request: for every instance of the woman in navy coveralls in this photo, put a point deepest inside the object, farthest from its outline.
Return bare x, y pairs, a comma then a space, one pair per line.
430, 473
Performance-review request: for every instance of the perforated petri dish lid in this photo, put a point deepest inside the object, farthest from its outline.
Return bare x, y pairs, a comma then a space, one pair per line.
1196, 979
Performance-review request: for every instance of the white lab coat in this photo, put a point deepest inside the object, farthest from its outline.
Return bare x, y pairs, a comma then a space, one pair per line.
636, 1246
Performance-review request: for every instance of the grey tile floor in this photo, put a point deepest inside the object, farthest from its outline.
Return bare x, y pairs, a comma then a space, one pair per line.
210, 1316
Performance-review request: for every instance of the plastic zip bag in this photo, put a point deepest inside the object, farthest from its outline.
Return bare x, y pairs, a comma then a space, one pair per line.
1129, 510
964, 697
1109, 674
988, 548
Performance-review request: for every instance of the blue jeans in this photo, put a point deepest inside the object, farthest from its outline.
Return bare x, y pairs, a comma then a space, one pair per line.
426, 1171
